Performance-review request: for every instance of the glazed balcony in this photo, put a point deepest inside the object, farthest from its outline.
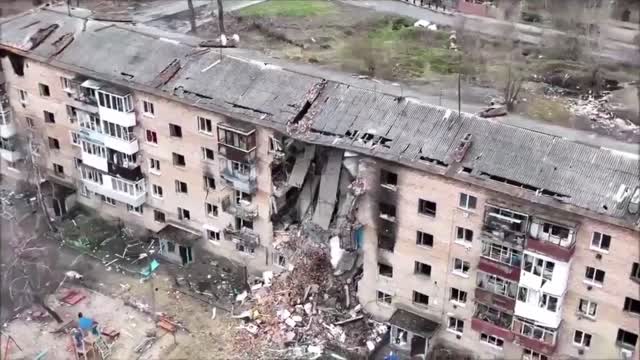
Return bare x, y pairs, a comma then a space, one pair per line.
502, 225
536, 338
244, 235
9, 149
501, 261
237, 142
493, 322
240, 176
7, 126
553, 240
496, 291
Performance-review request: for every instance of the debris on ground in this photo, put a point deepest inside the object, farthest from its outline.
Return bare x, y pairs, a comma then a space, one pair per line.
305, 310
599, 110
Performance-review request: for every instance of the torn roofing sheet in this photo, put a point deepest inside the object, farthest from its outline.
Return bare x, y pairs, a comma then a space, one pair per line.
328, 189
301, 167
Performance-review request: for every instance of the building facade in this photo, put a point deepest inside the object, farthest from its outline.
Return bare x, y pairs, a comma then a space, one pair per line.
499, 240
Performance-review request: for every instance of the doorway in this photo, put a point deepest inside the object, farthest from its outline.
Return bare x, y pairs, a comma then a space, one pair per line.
185, 254
418, 346
59, 208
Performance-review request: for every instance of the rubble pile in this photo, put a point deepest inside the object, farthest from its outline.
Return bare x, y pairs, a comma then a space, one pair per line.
598, 109
304, 311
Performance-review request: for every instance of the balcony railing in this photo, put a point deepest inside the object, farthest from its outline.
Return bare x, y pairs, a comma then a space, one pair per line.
132, 173
243, 209
244, 235
494, 290
492, 267
499, 301
536, 338
492, 321
503, 225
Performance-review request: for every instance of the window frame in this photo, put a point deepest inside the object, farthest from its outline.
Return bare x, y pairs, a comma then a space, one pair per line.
593, 281
380, 273
465, 200
146, 106
420, 237
154, 166
382, 297
216, 236
418, 265
175, 131
156, 216
181, 187
584, 337
157, 191
456, 322
211, 210
535, 264
178, 160
385, 176
422, 208
23, 95
463, 240
134, 209
201, 120
496, 339
205, 153
461, 272
599, 238
628, 306
416, 295
588, 303
44, 90
184, 214
457, 299
151, 137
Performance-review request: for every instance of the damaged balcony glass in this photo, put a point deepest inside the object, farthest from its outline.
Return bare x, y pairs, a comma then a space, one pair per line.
493, 316
497, 285
504, 225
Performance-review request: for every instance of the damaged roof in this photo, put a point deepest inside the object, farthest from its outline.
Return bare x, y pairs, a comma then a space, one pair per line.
556, 171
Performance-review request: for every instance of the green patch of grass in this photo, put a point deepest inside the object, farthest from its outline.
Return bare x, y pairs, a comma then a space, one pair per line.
393, 48
289, 8
548, 110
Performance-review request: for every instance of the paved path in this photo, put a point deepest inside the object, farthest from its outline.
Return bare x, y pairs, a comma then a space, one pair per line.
612, 51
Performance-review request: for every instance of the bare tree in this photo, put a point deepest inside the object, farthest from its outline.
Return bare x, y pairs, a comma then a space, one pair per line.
192, 16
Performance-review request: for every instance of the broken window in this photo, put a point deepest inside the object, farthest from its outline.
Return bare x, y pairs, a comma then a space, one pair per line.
154, 165
207, 154
539, 267
383, 298
244, 142
58, 169
499, 218
175, 130
148, 108
492, 340
152, 137
213, 235
582, 339
178, 160
156, 191
205, 125
184, 214
245, 249
54, 143
626, 339
422, 269
44, 90
424, 239
66, 83
29, 122
426, 207
75, 138
587, 308
631, 305
209, 183
467, 201
243, 223
455, 325
532, 355
388, 179
497, 285
171, 246
420, 298
241, 197
635, 271
158, 216
135, 209
464, 235
503, 254
108, 200
548, 302
181, 187
49, 117
72, 113
457, 295
600, 241
460, 266
385, 270
387, 211
211, 210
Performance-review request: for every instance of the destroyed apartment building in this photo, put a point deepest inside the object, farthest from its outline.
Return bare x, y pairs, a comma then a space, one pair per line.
454, 230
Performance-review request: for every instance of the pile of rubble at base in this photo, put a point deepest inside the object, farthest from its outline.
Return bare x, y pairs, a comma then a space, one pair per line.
302, 312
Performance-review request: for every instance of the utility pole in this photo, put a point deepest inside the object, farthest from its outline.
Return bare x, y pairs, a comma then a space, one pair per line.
459, 82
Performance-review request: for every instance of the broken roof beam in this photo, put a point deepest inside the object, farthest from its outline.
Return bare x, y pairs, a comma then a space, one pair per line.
41, 35
328, 189
301, 167
166, 74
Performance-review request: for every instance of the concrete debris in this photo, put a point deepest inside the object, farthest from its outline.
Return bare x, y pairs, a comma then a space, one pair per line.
599, 110
307, 311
